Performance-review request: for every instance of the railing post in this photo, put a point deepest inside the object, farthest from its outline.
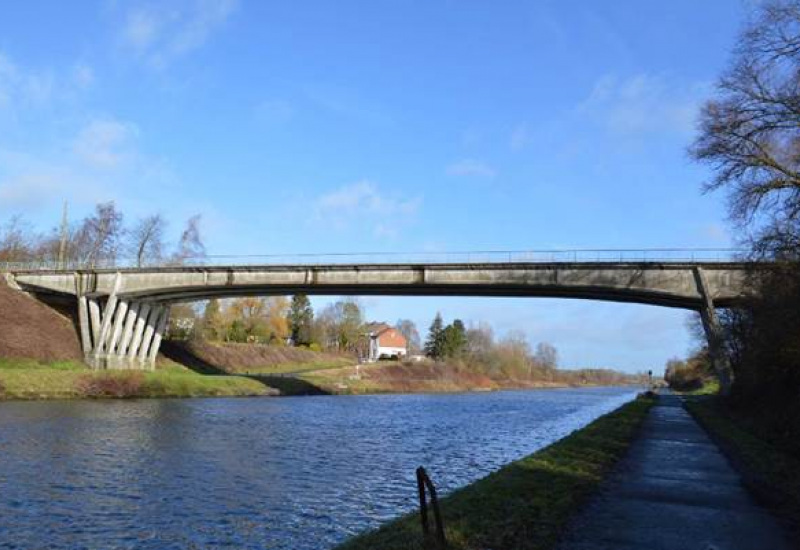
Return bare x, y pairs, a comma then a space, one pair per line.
424, 482
423, 504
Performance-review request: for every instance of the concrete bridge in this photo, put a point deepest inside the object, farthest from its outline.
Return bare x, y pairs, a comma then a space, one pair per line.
122, 313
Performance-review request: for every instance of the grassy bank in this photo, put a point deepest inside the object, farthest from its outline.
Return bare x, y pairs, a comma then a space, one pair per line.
422, 377
526, 504
770, 473
28, 379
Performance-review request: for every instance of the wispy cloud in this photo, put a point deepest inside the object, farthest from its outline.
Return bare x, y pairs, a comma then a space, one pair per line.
644, 103
162, 32
24, 87
470, 168
105, 143
364, 204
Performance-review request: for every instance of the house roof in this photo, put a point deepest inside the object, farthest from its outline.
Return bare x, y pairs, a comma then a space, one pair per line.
391, 338
387, 335
373, 329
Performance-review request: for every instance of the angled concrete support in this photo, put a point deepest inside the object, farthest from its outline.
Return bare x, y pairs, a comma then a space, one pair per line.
123, 333
149, 332
127, 332
138, 331
94, 320
158, 336
714, 336
83, 322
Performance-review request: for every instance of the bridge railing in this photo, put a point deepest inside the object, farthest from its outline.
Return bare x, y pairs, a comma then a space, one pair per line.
586, 255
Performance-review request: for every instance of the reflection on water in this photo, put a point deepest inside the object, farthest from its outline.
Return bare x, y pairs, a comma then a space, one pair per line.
291, 473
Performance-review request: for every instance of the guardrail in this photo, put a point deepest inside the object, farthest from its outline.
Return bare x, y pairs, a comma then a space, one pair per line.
588, 255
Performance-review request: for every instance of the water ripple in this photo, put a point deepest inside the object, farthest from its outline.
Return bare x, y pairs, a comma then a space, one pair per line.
292, 473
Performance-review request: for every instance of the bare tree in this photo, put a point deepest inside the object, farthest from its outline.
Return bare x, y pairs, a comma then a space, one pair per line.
100, 235
191, 243
16, 241
546, 355
750, 133
409, 331
146, 239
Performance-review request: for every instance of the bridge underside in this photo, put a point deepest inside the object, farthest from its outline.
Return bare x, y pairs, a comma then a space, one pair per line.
496, 291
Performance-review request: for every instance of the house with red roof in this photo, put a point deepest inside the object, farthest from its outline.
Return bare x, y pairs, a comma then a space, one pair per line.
385, 342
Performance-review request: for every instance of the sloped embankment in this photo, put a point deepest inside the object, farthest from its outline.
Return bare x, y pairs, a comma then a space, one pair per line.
233, 358
424, 376
31, 330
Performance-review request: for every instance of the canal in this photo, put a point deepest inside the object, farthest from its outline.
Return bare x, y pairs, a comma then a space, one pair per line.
256, 473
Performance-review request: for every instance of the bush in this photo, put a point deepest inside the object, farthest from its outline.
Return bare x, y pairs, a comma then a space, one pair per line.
124, 384
691, 374
2, 389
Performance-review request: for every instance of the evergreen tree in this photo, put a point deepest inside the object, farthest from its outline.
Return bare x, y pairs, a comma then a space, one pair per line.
301, 320
454, 339
433, 345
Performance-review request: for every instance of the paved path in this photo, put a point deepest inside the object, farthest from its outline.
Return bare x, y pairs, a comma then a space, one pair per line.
676, 491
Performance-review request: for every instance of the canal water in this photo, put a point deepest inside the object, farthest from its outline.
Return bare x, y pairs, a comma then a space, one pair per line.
256, 473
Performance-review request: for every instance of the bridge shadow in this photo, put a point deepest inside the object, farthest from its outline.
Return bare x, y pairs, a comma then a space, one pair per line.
178, 352
286, 384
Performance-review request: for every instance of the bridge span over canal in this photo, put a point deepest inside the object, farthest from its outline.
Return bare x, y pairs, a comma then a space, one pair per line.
123, 311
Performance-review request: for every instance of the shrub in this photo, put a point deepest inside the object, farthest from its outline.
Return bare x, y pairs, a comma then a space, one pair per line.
124, 384
2, 389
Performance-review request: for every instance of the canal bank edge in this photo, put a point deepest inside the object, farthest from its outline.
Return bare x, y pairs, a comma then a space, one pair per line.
526, 504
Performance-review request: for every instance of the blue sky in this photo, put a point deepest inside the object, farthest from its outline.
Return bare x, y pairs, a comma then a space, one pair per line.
399, 125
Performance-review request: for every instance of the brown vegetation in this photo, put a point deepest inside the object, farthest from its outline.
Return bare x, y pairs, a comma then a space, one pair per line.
117, 385
451, 376
32, 330
241, 358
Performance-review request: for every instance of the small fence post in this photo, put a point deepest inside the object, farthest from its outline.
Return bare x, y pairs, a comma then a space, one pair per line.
424, 482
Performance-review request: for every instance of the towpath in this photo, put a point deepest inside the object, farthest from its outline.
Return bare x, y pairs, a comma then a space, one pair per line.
674, 490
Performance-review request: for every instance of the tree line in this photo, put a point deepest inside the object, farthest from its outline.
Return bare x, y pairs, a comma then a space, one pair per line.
103, 237
749, 136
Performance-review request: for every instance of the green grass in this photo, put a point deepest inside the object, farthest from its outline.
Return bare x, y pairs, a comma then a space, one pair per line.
709, 387
22, 379
526, 504
771, 474
6, 363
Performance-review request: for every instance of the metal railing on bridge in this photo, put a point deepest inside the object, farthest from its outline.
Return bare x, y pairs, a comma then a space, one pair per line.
584, 255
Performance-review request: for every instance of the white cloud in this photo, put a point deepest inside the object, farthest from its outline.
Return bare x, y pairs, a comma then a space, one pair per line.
24, 87
164, 31
364, 203
105, 143
470, 168
644, 103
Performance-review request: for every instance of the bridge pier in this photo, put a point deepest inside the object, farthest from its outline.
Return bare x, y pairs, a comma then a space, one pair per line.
714, 335
121, 333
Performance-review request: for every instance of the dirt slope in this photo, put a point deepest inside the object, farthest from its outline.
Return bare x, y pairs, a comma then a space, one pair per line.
32, 330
